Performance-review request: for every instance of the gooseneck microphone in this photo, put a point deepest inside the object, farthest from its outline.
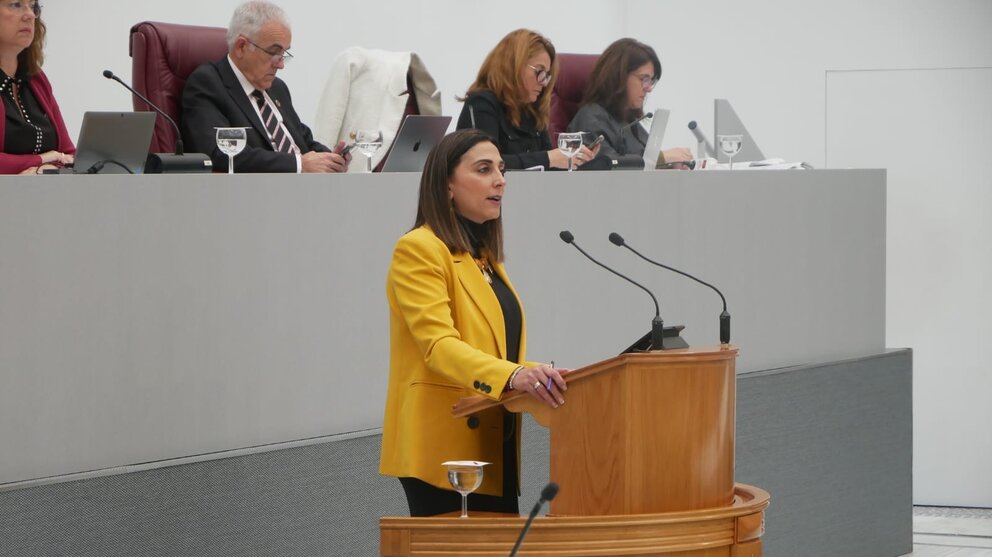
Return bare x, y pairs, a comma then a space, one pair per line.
179, 140
624, 163
547, 494
657, 325
635, 122
164, 162
703, 142
618, 240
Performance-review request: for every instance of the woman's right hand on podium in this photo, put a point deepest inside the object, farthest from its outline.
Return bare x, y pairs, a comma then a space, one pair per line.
543, 382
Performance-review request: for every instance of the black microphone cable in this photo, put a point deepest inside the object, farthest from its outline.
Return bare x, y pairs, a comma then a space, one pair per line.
98, 166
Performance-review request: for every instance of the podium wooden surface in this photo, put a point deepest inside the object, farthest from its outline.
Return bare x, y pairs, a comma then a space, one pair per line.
731, 531
643, 450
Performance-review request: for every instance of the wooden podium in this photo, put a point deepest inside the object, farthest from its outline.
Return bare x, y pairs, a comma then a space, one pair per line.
643, 450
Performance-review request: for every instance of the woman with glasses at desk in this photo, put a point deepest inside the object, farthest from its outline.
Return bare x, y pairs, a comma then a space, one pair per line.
614, 103
33, 136
511, 101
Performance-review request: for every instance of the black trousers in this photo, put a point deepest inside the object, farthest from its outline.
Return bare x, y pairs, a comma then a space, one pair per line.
425, 499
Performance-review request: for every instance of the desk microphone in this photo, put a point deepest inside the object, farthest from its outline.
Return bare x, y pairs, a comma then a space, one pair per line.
638, 121
163, 162
547, 494
702, 141
623, 141
179, 140
657, 325
724, 317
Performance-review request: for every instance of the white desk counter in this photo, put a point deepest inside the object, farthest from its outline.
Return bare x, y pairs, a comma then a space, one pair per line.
145, 318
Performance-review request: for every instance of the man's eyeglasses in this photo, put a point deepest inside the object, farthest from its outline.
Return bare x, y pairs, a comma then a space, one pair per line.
543, 77
33, 7
275, 52
647, 81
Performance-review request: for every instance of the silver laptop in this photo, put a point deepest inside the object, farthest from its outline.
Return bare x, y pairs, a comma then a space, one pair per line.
727, 123
657, 134
417, 136
114, 142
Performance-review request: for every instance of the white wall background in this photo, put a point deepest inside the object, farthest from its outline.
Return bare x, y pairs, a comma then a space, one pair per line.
769, 57
939, 259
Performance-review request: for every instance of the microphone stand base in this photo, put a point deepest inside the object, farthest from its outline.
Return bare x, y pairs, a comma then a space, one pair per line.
169, 163
670, 341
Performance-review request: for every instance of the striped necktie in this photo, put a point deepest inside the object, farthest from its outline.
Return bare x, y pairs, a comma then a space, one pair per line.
280, 141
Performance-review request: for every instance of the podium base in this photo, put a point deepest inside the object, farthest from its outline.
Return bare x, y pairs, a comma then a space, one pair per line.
731, 530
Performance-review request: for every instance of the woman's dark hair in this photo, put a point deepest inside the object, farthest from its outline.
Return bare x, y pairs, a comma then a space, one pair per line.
607, 85
500, 73
31, 58
434, 207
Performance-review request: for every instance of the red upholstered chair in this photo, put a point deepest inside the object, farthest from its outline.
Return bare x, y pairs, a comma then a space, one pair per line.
566, 97
162, 57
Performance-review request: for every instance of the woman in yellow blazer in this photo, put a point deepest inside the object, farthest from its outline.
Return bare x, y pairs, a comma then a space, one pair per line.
456, 329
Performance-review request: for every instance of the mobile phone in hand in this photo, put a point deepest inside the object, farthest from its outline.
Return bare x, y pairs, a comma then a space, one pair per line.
596, 142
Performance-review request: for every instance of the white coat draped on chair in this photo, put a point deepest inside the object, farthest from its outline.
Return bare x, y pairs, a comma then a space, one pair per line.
368, 89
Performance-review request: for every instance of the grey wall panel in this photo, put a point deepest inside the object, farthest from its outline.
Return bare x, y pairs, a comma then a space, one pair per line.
318, 500
832, 443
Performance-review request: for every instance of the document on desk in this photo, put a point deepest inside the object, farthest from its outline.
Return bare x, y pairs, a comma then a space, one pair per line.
767, 164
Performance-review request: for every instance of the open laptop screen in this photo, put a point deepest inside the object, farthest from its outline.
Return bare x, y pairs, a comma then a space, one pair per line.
114, 142
417, 136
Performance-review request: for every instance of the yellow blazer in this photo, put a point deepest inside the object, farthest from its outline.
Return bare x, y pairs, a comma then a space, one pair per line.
447, 341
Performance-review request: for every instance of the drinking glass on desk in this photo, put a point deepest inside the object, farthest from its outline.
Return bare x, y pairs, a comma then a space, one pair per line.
368, 142
465, 476
730, 145
570, 144
231, 141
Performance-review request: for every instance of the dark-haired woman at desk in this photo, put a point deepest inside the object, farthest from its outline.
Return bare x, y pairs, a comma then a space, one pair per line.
33, 136
511, 101
614, 101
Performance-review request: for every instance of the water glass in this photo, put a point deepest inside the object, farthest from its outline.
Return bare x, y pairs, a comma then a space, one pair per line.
231, 141
730, 145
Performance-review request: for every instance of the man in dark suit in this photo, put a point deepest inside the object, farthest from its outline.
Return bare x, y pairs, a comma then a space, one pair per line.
242, 90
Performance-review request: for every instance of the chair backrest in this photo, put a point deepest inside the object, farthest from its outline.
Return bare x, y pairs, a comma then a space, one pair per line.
162, 57
566, 97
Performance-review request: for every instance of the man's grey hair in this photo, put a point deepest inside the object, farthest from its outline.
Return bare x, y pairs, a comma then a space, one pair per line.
249, 17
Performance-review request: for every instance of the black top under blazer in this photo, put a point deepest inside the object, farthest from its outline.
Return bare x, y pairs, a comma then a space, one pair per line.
213, 98
521, 147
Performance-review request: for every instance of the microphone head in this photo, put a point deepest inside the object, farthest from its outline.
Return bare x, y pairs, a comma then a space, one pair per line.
649, 114
616, 239
566, 236
692, 125
549, 492
108, 74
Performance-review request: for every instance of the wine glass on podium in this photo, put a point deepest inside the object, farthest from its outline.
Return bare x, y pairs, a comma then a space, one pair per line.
730, 145
231, 141
465, 476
